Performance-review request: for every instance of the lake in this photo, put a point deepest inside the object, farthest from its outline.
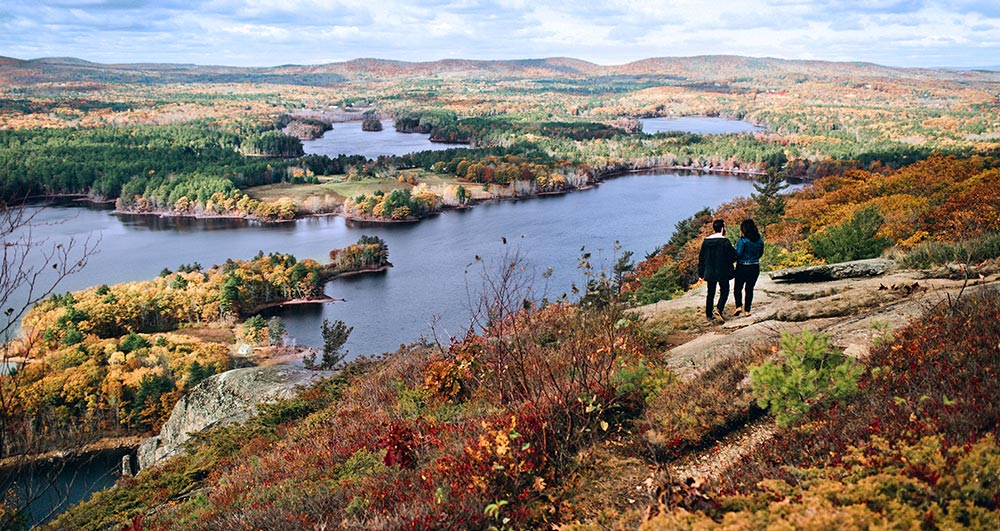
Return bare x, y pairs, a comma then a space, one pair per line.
431, 277
347, 137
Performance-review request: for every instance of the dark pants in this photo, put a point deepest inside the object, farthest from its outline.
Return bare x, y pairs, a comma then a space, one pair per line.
746, 279
723, 295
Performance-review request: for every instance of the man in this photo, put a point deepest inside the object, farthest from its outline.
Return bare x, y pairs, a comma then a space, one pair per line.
715, 265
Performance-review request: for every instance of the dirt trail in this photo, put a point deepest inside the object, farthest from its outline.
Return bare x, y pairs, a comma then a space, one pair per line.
853, 312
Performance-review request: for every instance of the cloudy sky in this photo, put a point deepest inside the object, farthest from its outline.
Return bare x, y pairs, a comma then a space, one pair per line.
922, 33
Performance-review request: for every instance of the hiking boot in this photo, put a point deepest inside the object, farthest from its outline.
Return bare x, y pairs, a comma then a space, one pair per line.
719, 316
738, 312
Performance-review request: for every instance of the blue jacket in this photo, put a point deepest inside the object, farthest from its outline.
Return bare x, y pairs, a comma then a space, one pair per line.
749, 252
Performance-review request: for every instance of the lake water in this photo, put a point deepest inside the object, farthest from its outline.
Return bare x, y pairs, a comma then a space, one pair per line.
54, 487
347, 138
430, 279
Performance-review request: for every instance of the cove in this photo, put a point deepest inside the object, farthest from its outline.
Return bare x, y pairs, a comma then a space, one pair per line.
347, 138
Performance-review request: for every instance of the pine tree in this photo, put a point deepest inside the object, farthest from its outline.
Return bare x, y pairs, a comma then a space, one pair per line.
335, 334
770, 201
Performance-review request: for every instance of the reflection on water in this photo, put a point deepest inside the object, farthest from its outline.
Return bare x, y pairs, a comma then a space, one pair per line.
52, 487
430, 281
435, 273
348, 138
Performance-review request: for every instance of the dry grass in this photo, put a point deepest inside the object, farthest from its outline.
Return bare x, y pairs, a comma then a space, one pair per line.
335, 190
210, 333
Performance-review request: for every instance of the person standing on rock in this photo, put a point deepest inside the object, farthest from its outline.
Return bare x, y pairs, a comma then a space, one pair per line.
715, 265
749, 249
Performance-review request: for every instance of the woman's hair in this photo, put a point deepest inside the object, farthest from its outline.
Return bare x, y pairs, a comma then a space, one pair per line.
749, 229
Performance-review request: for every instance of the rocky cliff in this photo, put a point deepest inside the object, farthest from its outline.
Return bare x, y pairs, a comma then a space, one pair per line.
222, 399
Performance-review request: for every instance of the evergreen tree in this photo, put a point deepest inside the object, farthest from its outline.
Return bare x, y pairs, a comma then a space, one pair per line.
688, 229
855, 239
335, 334
275, 330
770, 201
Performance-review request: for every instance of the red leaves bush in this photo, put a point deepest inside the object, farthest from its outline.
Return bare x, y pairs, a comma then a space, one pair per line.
428, 439
937, 377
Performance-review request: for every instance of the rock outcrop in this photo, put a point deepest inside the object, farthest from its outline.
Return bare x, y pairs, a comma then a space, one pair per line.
858, 304
223, 399
822, 273
854, 309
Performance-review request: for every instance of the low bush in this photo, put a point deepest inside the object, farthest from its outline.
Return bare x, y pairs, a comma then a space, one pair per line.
934, 253
852, 240
810, 372
685, 416
933, 378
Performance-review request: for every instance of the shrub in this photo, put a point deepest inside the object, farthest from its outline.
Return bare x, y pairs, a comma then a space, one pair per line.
687, 416
665, 284
934, 377
133, 342
853, 240
929, 254
811, 372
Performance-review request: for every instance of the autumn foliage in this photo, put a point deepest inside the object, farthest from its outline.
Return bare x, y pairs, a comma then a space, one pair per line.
113, 360
917, 443
468, 438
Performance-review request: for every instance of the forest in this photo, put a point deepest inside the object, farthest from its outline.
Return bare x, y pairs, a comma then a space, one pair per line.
172, 148
493, 429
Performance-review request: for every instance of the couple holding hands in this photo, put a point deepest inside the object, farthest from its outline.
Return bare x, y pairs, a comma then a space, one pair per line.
716, 265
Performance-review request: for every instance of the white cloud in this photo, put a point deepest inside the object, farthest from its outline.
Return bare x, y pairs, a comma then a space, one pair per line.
267, 32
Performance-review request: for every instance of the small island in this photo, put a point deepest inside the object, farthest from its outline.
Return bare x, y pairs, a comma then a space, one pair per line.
371, 122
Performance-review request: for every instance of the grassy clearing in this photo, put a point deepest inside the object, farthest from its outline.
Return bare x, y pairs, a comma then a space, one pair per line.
209, 333
333, 191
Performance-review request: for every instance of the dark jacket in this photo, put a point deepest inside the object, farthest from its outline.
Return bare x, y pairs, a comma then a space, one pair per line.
715, 262
748, 252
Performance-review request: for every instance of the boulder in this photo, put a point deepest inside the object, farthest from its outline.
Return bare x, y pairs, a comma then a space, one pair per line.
872, 267
223, 399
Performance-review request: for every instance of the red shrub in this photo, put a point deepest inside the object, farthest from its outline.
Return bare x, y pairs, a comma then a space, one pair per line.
938, 376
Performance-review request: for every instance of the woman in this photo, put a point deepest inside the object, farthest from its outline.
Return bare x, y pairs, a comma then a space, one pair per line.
749, 249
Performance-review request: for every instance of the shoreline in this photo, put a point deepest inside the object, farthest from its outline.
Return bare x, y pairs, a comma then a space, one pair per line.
294, 302
362, 271
110, 445
595, 180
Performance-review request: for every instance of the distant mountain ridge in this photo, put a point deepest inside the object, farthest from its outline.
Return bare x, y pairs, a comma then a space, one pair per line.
705, 68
